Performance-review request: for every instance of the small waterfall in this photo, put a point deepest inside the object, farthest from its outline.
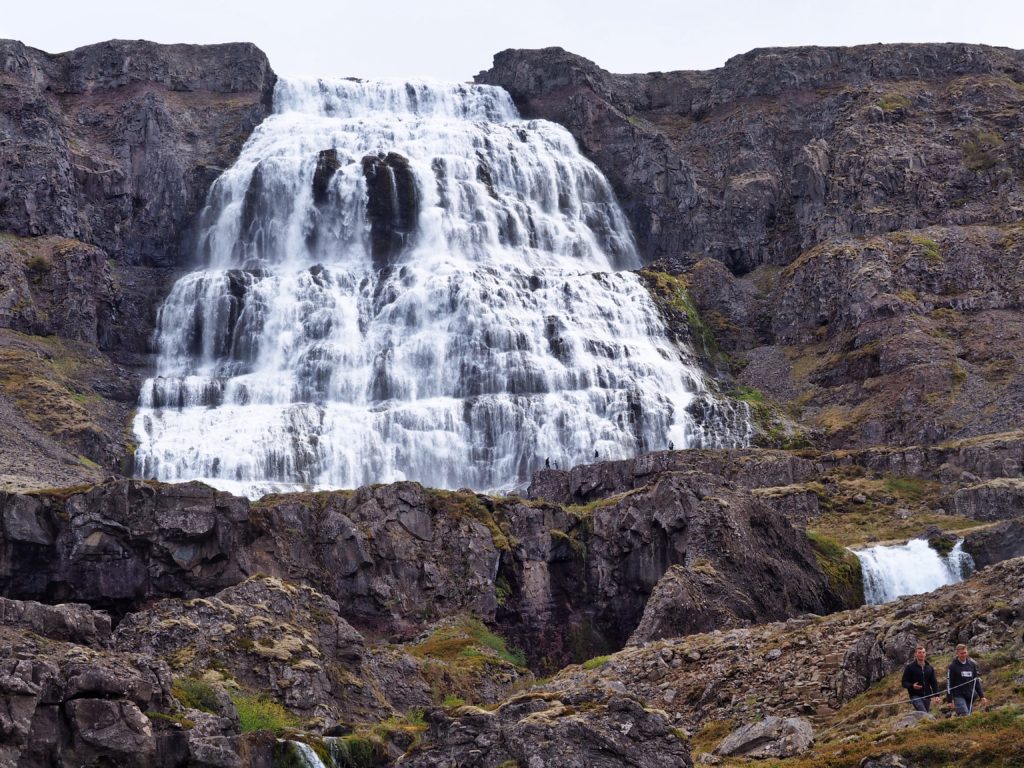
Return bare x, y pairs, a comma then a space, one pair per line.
910, 569
408, 281
296, 754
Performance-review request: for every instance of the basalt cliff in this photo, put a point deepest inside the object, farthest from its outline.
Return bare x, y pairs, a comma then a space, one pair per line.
836, 232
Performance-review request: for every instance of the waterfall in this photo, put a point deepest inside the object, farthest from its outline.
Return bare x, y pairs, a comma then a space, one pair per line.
296, 754
910, 569
408, 281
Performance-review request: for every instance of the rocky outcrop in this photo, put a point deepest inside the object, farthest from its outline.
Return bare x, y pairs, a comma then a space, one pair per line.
121, 543
392, 206
772, 737
73, 623
66, 704
115, 144
993, 545
578, 732
998, 499
808, 666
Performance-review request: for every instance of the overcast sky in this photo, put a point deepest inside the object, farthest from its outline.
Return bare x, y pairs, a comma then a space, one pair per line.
454, 39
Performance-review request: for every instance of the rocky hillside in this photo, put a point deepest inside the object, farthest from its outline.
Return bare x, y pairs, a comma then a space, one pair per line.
847, 220
387, 621
108, 152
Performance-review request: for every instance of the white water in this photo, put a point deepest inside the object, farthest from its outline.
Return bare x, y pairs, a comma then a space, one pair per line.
498, 331
302, 754
910, 569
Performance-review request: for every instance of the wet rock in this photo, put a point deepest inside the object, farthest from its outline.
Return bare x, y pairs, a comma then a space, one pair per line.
327, 164
993, 545
772, 737
392, 205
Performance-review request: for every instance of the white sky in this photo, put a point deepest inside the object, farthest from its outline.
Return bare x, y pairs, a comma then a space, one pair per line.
454, 39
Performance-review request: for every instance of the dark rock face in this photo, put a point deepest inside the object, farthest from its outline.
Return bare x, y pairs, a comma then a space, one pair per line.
993, 545
392, 205
783, 148
116, 144
327, 164
121, 543
65, 704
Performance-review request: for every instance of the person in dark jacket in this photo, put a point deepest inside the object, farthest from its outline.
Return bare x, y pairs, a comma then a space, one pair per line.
963, 683
919, 680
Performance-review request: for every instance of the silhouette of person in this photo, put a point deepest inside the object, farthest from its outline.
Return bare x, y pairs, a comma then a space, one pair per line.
595, 454
547, 463
671, 445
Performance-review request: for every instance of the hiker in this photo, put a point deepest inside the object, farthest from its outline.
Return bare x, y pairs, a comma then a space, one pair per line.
595, 454
547, 463
963, 683
919, 680
671, 445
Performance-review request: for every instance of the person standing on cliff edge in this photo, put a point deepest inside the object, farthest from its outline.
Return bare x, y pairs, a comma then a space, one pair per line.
963, 683
919, 680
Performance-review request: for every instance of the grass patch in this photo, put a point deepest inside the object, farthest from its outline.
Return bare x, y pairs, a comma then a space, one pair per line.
196, 694
259, 713
980, 151
893, 102
927, 248
597, 661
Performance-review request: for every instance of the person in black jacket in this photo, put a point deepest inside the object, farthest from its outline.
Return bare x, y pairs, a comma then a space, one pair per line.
919, 680
963, 683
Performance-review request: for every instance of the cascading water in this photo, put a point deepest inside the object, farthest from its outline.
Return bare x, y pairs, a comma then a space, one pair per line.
910, 569
407, 281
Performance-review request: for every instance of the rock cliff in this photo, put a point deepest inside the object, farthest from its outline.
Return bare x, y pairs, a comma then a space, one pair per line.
108, 152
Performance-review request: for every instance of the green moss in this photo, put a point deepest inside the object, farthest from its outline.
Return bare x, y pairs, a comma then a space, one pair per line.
597, 661
672, 292
911, 489
357, 751
841, 567
460, 643
461, 504
893, 102
451, 701
928, 248
165, 717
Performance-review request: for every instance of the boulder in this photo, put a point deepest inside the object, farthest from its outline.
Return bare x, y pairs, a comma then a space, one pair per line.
772, 737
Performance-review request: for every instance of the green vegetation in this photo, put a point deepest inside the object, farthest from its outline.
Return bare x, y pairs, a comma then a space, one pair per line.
453, 702
459, 653
841, 568
195, 693
928, 248
259, 713
597, 661
165, 717
893, 102
672, 292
